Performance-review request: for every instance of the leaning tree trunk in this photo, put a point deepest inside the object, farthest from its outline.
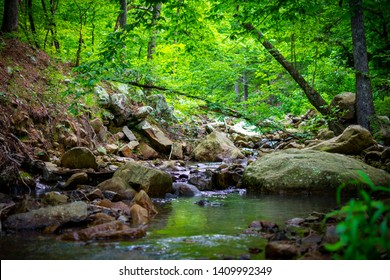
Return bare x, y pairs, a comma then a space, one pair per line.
364, 103
314, 97
10, 18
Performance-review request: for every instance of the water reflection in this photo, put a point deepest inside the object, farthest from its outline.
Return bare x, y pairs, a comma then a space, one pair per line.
181, 230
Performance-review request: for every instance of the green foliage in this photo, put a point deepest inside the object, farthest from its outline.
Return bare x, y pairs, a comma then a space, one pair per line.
364, 231
203, 50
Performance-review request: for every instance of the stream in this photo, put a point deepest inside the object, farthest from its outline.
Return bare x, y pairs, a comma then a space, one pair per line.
181, 230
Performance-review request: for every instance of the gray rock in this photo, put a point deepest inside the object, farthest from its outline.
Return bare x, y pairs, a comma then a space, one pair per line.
49, 172
103, 96
129, 134
161, 108
48, 216
307, 171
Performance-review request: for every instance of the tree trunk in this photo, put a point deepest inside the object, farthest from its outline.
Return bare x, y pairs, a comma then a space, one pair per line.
314, 97
123, 15
152, 41
32, 23
245, 85
10, 19
364, 103
237, 91
50, 22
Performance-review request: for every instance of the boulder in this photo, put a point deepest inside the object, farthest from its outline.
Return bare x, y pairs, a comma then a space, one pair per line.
54, 198
225, 178
117, 186
245, 132
48, 216
156, 137
325, 134
307, 171
146, 152
76, 179
177, 151
139, 115
162, 111
186, 190
111, 148
142, 199
128, 133
216, 147
345, 102
97, 125
103, 96
352, 141
139, 215
278, 250
127, 150
49, 172
78, 158
154, 182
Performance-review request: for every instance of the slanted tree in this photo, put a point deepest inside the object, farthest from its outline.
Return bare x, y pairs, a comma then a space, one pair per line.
10, 18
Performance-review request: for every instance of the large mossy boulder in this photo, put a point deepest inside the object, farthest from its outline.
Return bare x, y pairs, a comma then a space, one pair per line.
154, 182
78, 158
216, 147
352, 141
306, 171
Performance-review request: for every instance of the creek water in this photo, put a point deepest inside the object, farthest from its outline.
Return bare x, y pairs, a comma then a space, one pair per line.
181, 230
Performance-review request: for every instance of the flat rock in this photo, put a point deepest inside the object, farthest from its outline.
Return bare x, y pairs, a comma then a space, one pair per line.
48, 216
128, 133
156, 137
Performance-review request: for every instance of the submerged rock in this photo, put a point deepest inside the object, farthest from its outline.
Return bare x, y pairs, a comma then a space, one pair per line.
307, 171
110, 230
48, 216
186, 190
216, 147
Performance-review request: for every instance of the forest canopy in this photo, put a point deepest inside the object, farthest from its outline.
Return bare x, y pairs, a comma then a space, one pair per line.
215, 50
